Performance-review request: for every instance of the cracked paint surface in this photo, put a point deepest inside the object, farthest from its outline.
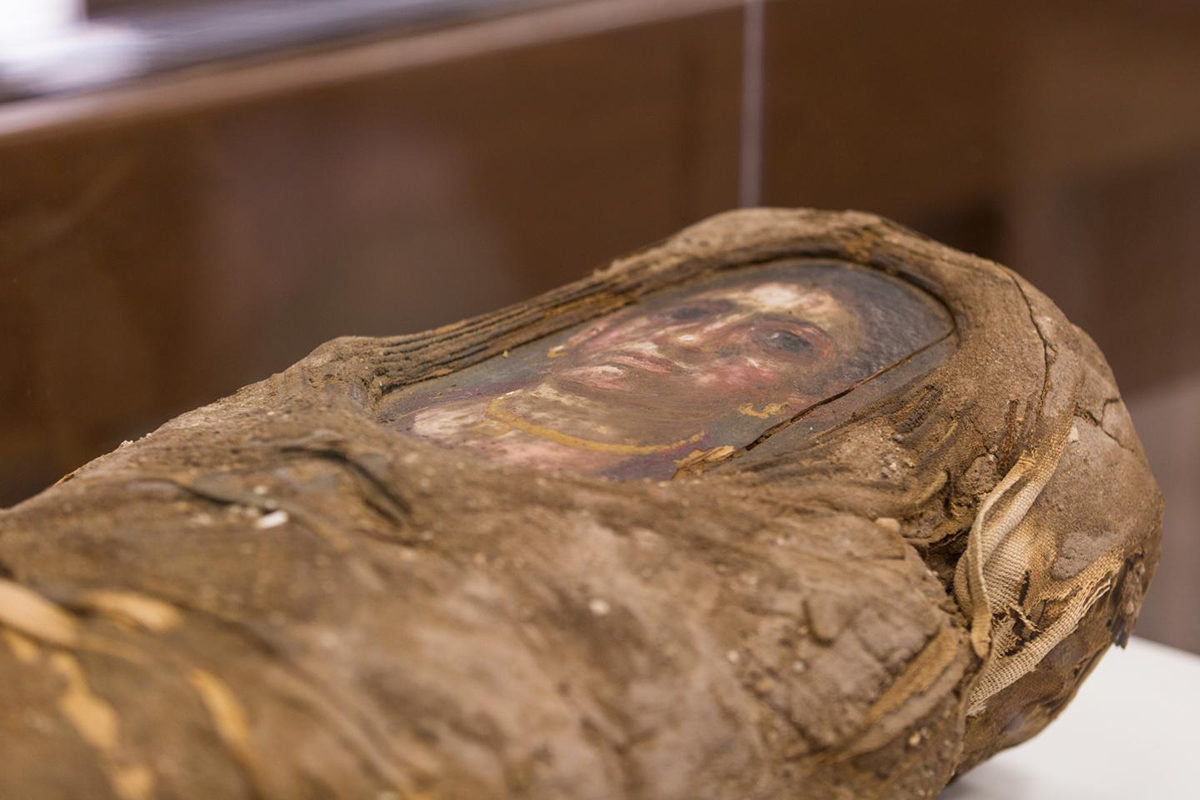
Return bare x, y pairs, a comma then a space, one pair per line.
682, 377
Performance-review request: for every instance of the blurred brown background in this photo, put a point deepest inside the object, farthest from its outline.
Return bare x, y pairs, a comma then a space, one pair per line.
180, 215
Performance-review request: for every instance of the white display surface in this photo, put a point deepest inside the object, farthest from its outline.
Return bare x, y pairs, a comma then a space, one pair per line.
1133, 731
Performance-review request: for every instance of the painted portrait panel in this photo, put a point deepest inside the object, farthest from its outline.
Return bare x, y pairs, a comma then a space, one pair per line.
638, 392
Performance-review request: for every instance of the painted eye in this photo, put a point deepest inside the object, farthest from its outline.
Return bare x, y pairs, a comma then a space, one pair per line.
790, 342
688, 313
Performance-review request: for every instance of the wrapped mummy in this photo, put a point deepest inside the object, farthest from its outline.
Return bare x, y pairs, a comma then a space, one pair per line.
795, 504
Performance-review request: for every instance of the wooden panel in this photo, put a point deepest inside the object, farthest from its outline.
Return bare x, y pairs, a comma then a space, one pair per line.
683, 376
1059, 139
904, 109
152, 261
1117, 253
889, 107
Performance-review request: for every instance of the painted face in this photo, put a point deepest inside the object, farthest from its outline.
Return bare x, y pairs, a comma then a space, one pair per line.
767, 341
690, 369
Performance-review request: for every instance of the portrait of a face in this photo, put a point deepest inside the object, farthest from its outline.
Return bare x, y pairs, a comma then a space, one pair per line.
638, 391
